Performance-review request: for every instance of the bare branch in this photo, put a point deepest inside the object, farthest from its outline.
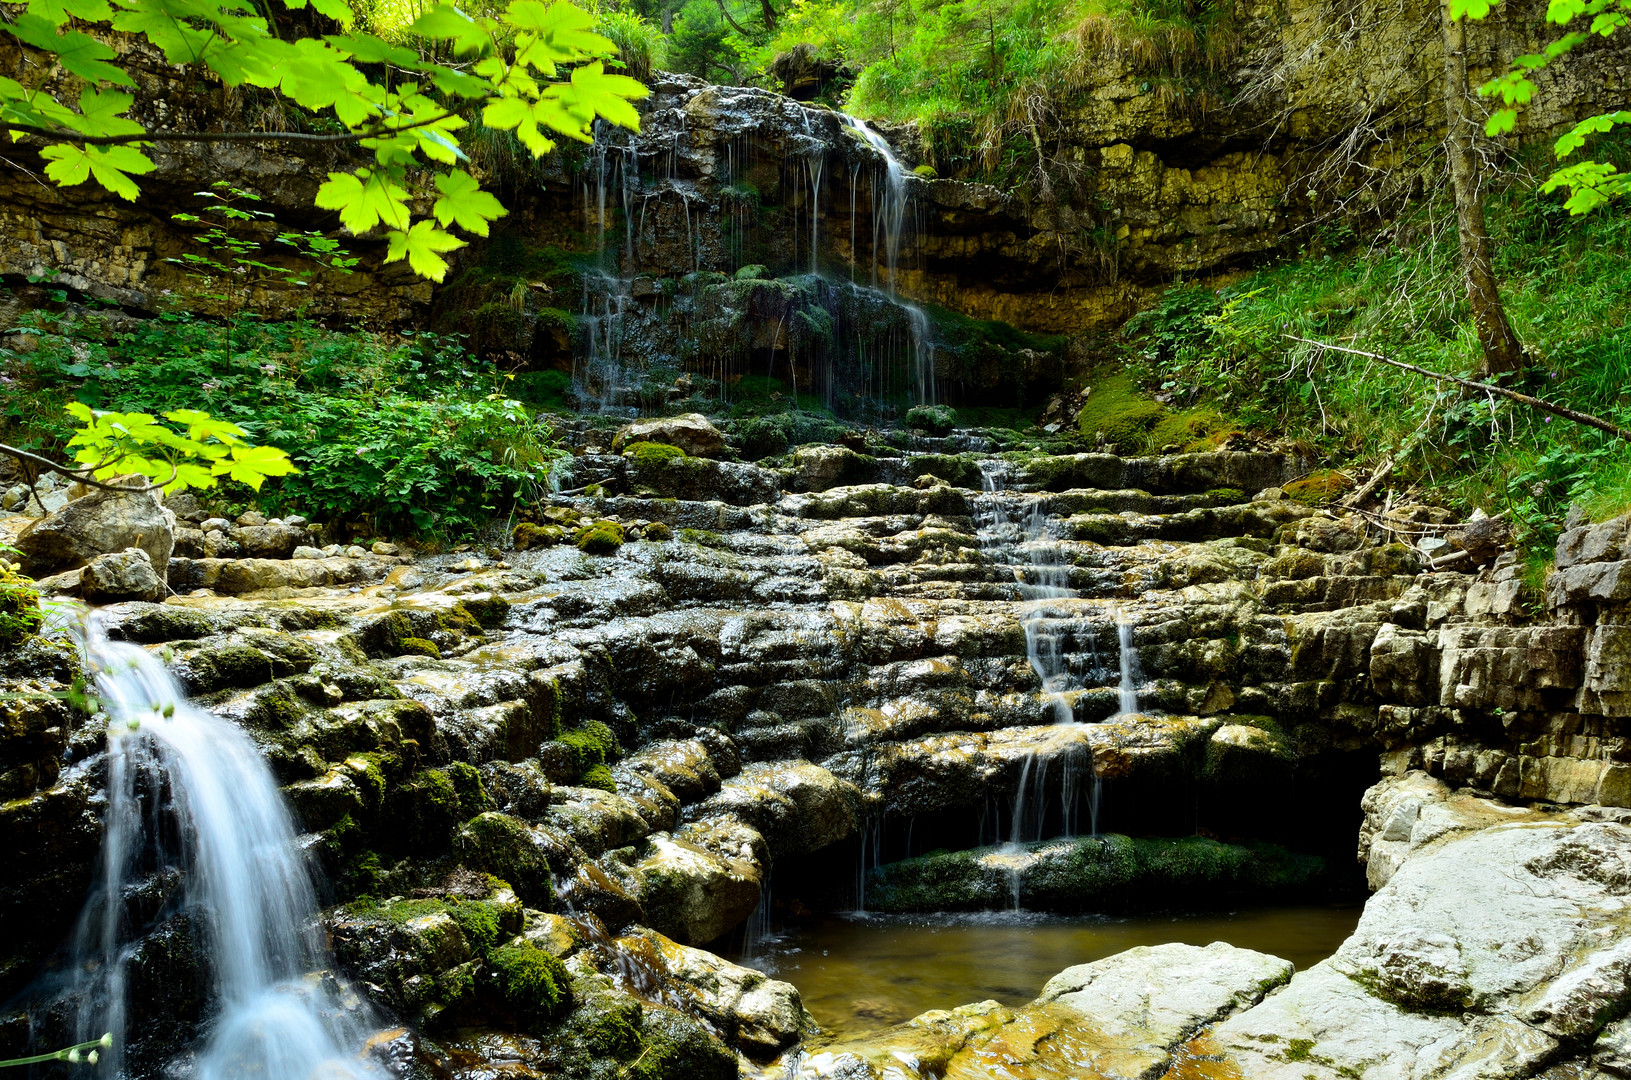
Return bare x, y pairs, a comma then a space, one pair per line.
79, 476
1489, 388
378, 131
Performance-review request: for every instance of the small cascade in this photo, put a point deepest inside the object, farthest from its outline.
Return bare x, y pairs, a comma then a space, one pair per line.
190, 795
1130, 673
889, 205
1043, 584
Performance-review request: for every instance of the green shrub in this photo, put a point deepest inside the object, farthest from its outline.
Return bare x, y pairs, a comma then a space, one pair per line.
600, 538
20, 613
532, 985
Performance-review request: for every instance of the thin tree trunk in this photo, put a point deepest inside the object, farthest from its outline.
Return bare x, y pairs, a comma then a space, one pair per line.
1502, 353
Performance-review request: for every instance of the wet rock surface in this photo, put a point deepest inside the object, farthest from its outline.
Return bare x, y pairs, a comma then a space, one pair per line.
803, 679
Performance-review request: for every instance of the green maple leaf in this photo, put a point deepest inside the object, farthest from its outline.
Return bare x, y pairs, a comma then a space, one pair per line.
57, 12
164, 27
364, 199
1469, 9
189, 475
77, 52
1576, 137
420, 245
253, 464
464, 204
110, 166
608, 95
447, 21
201, 426
99, 113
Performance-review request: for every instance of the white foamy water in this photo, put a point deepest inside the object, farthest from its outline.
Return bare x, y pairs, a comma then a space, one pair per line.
189, 793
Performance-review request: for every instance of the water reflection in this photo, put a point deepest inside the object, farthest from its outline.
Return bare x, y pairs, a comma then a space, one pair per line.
859, 974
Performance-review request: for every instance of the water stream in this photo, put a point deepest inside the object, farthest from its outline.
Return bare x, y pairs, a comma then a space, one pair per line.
190, 794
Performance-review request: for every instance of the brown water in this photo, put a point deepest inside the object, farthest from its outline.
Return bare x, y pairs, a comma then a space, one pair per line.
863, 973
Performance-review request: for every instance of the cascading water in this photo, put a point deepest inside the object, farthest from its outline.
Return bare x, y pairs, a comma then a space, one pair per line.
888, 205
1042, 585
189, 793
1129, 666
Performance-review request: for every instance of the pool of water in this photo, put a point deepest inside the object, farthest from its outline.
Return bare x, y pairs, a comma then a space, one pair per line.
862, 973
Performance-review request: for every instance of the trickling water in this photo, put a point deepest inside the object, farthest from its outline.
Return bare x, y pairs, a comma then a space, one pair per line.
1043, 584
1129, 665
888, 205
871, 856
190, 791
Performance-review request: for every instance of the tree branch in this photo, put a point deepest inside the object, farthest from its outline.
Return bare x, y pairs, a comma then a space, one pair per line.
1489, 388
64, 135
78, 476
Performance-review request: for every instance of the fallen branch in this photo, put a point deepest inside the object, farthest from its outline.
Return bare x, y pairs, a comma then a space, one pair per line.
80, 476
1358, 497
1489, 388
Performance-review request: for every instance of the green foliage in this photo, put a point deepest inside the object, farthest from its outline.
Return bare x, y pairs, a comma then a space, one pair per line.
404, 434
20, 613
532, 985
403, 106
1591, 184
1566, 283
641, 47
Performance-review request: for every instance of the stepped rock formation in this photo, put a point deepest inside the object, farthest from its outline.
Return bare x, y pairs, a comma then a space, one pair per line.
803, 672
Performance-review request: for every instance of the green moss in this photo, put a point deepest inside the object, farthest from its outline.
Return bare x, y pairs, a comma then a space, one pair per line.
1318, 488
703, 538
590, 745
361, 876
754, 272
935, 419
424, 813
526, 536
1193, 430
488, 611
500, 845
1299, 1050
926, 172
600, 538
531, 984
472, 796
657, 532
651, 454
598, 776
418, 646
1226, 496
1116, 413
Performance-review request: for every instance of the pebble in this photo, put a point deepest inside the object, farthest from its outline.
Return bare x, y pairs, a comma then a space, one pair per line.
381, 547
355, 552
296, 521
216, 524
252, 518
306, 552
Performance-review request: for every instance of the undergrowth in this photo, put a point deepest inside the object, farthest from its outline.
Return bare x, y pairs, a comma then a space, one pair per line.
398, 433
1567, 288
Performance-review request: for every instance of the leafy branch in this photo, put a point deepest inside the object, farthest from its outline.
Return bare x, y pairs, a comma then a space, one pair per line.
534, 68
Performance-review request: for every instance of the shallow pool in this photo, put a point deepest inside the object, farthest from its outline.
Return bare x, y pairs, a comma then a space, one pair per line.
862, 973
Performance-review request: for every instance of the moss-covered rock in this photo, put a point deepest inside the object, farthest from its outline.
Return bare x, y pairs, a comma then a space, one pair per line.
657, 532
935, 419
418, 646
504, 847
1101, 873
1116, 413
526, 536
648, 454
531, 985
589, 745
1318, 488
599, 538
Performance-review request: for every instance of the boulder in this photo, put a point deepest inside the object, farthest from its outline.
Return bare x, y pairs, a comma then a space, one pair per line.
761, 1015
691, 432
101, 523
691, 894
124, 575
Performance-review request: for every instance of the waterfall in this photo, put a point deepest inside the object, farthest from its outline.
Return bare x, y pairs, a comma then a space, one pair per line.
189, 792
888, 205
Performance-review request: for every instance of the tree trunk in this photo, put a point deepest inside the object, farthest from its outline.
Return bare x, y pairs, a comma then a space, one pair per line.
1502, 353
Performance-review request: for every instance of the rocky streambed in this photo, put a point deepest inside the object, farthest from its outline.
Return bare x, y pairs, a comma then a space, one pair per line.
701, 692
